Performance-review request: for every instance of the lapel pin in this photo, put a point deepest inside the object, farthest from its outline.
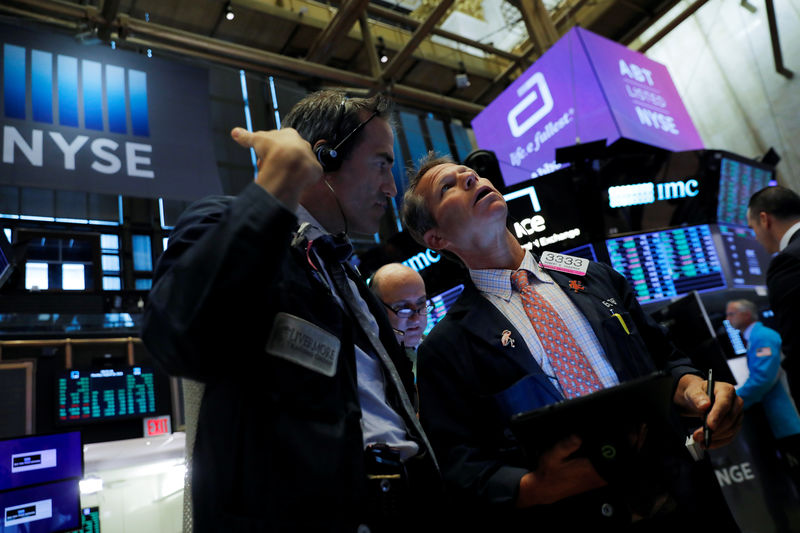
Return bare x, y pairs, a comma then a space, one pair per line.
506, 338
576, 285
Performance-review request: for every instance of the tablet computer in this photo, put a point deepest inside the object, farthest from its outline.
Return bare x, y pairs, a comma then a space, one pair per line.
610, 422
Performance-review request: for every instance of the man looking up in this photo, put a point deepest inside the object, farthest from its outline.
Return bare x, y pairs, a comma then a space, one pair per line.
402, 291
774, 215
307, 421
509, 331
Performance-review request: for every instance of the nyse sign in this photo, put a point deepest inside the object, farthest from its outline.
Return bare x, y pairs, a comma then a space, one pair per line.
104, 121
101, 154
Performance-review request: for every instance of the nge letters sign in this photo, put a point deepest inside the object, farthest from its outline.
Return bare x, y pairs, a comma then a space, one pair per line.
90, 118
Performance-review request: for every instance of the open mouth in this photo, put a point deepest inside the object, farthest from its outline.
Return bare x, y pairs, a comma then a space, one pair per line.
482, 193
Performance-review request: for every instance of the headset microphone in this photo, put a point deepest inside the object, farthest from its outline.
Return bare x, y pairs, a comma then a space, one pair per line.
331, 157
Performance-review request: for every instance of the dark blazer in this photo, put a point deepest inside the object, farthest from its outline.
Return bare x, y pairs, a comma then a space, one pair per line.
464, 370
279, 446
783, 285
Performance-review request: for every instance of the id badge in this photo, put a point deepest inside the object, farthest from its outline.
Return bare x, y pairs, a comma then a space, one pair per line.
303, 343
564, 263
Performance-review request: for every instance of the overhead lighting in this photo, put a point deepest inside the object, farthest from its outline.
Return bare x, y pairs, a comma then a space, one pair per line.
91, 484
462, 80
382, 51
229, 14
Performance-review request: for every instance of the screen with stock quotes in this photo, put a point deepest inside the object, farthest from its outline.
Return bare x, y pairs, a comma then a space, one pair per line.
89, 395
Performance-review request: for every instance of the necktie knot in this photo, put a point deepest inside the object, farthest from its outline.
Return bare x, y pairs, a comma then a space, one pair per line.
519, 280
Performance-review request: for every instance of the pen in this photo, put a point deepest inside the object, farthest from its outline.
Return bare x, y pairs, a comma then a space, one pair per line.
710, 393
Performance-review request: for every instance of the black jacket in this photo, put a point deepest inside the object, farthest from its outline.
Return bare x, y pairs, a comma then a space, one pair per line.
783, 285
279, 446
463, 368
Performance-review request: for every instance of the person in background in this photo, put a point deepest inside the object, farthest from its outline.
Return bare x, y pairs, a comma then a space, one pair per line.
764, 384
774, 215
533, 336
402, 291
307, 422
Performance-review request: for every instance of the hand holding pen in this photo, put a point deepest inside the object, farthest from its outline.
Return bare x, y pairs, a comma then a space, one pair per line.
716, 403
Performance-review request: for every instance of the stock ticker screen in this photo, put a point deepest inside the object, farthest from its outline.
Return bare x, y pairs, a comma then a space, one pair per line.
737, 183
668, 263
747, 259
85, 396
441, 303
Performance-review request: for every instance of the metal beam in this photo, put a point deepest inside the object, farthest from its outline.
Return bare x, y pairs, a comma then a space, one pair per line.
416, 38
541, 29
109, 13
777, 55
394, 16
369, 44
688, 12
347, 14
642, 26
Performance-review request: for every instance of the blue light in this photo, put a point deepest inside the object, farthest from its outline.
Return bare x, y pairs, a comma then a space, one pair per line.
247, 119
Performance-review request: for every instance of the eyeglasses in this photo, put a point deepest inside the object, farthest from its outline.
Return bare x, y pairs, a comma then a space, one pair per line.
407, 312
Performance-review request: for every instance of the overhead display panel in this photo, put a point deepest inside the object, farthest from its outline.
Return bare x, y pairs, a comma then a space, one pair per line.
92, 118
585, 88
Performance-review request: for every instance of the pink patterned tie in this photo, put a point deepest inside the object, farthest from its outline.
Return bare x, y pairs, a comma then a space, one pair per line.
575, 375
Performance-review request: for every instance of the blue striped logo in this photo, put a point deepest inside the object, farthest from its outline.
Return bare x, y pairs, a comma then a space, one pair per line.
74, 92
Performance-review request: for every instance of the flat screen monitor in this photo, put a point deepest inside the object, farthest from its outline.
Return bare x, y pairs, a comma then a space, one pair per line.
739, 178
105, 394
47, 508
58, 261
40, 459
90, 520
441, 303
745, 258
668, 263
691, 331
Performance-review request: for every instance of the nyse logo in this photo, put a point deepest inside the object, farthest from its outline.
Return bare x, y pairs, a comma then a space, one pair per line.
536, 89
76, 93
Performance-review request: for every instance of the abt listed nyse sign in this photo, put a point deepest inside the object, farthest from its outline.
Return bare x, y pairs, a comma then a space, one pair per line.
77, 152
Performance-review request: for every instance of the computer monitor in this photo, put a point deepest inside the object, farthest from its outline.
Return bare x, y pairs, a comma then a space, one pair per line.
441, 303
664, 264
105, 394
46, 508
53, 261
691, 331
744, 259
739, 178
40, 459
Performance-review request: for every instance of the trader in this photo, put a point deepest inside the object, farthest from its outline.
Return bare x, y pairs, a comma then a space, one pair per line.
402, 291
764, 383
307, 422
774, 215
504, 335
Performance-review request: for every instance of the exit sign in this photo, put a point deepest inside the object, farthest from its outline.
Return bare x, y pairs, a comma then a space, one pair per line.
157, 425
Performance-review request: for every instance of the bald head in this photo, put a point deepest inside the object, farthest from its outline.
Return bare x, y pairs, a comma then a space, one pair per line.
401, 287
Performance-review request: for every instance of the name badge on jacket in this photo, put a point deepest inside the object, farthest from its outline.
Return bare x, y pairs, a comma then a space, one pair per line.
303, 343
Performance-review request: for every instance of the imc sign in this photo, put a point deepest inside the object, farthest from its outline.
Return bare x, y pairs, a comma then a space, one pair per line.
89, 118
585, 88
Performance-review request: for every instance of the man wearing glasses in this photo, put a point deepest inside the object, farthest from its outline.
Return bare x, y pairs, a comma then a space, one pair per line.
402, 291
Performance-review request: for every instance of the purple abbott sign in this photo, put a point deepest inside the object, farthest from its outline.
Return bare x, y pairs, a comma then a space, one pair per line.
585, 88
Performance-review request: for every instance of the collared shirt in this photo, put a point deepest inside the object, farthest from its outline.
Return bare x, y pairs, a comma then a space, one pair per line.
495, 285
788, 236
746, 332
379, 421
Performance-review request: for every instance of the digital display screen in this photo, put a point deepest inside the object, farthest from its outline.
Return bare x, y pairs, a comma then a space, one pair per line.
584, 88
735, 338
90, 520
89, 395
441, 303
40, 459
737, 183
668, 263
747, 260
41, 508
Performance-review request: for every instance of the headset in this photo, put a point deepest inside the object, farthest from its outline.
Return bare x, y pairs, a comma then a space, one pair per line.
331, 157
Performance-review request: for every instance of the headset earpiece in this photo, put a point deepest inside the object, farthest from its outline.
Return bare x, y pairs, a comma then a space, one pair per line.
328, 157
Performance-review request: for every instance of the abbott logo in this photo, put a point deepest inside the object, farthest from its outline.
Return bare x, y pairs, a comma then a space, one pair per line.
88, 95
532, 83
123, 90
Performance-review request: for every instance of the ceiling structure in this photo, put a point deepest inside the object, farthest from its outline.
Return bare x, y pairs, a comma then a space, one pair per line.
337, 43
